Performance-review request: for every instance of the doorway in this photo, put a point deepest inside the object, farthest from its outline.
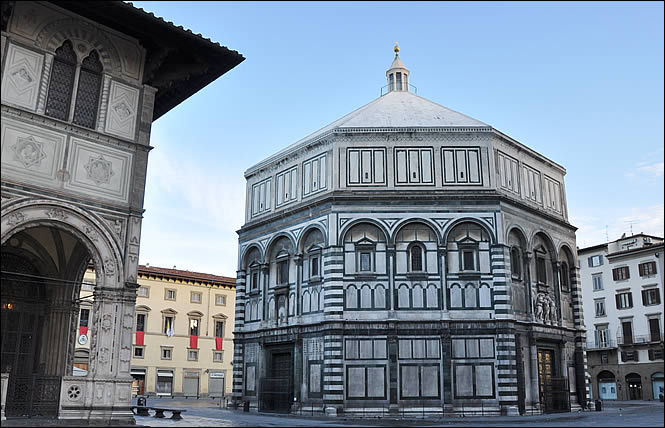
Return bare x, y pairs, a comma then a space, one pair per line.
554, 392
276, 393
634, 382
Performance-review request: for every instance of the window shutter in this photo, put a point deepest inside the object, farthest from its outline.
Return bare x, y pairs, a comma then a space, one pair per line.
630, 300
623, 356
651, 355
600, 260
615, 274
589, 261
636, 356
618, 301
627, 272
644, 297
641, 269
657, 296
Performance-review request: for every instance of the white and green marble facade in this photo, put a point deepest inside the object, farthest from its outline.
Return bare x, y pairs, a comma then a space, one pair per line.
398, 172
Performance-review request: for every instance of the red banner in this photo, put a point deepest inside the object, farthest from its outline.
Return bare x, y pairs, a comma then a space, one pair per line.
219, 341
140, 336
194, 342
84, 330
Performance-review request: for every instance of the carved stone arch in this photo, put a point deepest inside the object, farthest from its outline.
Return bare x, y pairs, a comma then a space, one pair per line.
92, 232
301, 240
403, 223
274, 239
564, 250
480, 222
82, 34
246, 253
547, 240
519, 232
349, 225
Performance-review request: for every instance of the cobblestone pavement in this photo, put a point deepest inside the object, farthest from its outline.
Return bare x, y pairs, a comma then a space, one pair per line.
208, 413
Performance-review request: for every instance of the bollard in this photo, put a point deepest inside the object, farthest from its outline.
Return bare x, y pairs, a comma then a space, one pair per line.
599, 406
245, 406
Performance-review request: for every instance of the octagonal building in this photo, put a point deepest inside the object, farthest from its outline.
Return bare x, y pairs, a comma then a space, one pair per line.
408, 258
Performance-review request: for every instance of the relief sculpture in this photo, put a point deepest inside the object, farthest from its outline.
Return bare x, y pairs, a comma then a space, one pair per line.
545, 309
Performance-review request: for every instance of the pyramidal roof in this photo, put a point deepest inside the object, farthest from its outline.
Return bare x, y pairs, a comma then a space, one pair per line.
399, 108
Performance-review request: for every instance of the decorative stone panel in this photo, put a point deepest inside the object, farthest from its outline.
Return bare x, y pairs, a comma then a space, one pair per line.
31, 153
122, 110
99, 171
20, 82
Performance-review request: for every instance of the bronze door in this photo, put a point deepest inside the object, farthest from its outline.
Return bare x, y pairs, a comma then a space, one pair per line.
545, 373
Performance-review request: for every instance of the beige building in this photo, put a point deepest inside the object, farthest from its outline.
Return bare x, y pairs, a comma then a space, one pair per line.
182, 341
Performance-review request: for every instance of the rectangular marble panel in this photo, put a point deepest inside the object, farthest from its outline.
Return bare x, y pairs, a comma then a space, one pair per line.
352, 349
449, 173
487, 348
366, 166
323, 172
354, 166
430, 381
380, 349
98, 170
379, 166
414, 166
410, 381
31, 152
355, 382
461, 167
472, 348
426, 165
250, 378
366, 350
307, 178
459, 348
474, 166
315, 378
432, 297
122, 110
401, 167
484, 380
22, 74
404, 349
380, 297
376, 382
463, 381
418, 348
433, 349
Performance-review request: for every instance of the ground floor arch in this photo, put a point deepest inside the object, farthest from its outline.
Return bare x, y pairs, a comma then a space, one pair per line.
46, 248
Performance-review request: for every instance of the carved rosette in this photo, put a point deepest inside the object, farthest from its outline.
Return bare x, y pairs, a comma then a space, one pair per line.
109, 267
56, 213
99, 170
106, 322
28, 151
15, 218
104, 355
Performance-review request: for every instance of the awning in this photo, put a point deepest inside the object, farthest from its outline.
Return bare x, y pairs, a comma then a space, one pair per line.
164, 374
137, 371
214, 375
79, 372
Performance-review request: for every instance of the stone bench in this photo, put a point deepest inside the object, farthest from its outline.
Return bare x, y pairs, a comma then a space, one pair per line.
159, 412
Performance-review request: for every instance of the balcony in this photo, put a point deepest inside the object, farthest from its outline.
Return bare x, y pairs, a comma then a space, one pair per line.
601, 344
638, 340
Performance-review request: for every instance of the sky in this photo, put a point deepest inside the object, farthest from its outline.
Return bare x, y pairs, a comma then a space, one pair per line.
581, 83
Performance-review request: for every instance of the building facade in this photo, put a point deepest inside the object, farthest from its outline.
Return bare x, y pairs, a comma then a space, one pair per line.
183, 333
622, 284
408, 258
82, 83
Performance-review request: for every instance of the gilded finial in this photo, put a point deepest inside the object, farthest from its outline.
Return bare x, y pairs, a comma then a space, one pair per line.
396, 47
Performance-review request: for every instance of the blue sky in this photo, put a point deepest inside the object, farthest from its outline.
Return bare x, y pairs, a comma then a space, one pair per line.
581, 83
